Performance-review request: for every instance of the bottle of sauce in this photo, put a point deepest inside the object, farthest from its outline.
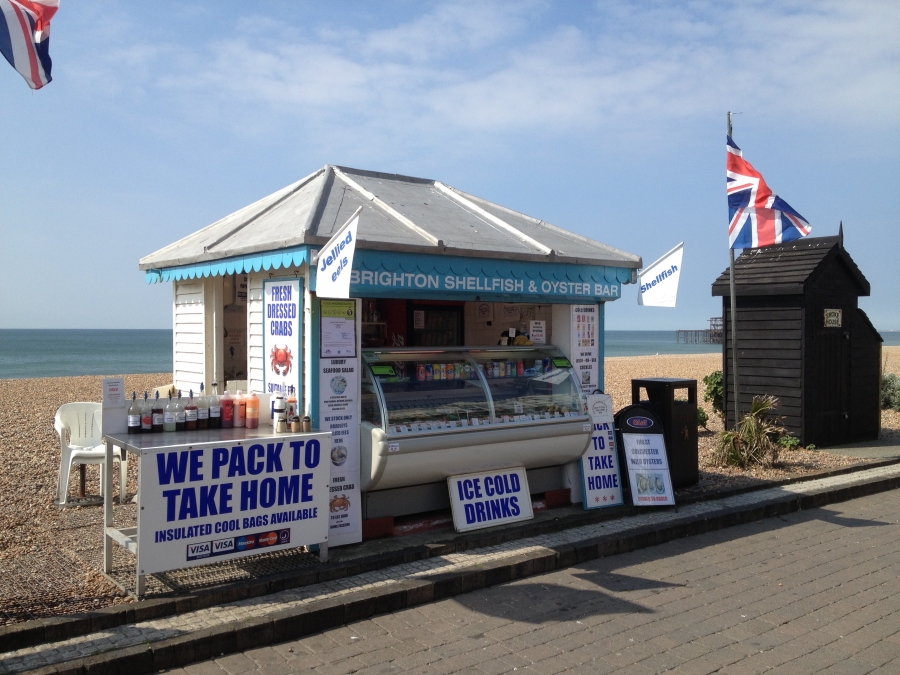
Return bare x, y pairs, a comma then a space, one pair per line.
169, 415
291, 408
157, 412
134, 415
240, 410
179, 413
252, 402
190, 413
146, 416
227, 410
215, 408
202, 410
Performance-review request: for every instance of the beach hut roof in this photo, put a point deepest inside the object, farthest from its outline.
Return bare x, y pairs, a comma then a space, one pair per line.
400, 213
789, 269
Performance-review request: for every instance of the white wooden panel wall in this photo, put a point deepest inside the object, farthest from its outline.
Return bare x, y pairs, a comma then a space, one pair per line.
188, 343
255, 361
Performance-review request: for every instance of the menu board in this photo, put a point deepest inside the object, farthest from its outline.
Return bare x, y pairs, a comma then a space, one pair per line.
585, 346
339, 414
338, 328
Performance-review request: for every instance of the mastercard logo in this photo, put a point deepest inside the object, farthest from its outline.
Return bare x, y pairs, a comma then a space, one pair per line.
268, 539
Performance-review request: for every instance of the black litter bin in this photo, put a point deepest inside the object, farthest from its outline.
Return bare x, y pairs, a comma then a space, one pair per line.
679, 421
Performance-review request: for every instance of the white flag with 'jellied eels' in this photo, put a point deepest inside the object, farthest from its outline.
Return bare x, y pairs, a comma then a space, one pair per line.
335, 261
659, 281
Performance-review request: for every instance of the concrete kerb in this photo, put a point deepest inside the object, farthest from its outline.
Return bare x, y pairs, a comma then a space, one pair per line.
330, 613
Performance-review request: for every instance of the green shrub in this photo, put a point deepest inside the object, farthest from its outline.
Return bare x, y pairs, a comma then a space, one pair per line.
702, 417
714, 391
756, 440
810, 447
789, 442
890, 391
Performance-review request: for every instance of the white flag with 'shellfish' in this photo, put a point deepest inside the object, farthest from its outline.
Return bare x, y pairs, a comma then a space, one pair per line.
659, 281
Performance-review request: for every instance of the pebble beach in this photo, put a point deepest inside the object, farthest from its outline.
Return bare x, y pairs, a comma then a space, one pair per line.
49, 558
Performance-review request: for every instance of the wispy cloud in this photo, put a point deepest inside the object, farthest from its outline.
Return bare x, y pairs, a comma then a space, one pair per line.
473, 69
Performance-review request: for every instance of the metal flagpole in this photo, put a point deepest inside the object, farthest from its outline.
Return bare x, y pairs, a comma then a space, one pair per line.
734, 352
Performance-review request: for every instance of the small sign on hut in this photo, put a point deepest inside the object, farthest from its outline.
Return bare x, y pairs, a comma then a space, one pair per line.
802, 338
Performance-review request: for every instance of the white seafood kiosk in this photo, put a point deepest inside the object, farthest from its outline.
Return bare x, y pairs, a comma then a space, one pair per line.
472, 334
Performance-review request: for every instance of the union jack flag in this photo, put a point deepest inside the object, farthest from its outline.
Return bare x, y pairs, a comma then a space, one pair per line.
759, 217
25, 38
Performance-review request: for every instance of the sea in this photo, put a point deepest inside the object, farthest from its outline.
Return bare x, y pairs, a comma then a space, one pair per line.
28, 353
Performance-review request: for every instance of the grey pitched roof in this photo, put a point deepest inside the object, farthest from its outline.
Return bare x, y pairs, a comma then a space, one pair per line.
788, 269
399, 213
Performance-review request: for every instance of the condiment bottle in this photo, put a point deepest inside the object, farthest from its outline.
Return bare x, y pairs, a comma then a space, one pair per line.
146, 416
179, 413
240, 410
190, 412
157, 412
227, 404
134, 415
202, 410
169, 415
252, 411
215, 408
291, 408
277, 409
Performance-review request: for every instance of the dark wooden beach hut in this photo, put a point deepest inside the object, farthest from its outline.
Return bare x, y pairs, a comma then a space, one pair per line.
802, 337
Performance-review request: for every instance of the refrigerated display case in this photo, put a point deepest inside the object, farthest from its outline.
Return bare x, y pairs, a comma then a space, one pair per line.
429, 414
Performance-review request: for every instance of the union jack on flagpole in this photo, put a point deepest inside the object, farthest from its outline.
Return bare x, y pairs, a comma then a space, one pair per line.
758, 217
25, 38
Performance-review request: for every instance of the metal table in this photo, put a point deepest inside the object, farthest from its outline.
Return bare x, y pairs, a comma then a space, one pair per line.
138, 444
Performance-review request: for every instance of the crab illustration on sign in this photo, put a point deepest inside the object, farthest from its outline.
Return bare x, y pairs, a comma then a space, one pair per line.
281, 360
339, 503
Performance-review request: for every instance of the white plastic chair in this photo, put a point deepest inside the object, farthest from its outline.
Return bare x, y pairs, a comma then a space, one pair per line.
81, 423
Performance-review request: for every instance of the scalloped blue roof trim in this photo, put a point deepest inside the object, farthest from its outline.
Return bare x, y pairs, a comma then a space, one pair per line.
288, 257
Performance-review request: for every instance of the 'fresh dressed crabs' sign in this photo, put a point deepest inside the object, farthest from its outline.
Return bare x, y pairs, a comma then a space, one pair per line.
282, 334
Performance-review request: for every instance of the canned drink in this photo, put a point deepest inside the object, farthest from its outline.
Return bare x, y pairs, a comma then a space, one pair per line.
420, 372
451, 371
439, 371
538, 366
429, 371
546, 365
500, 369
510, 368
467, 371
520, 368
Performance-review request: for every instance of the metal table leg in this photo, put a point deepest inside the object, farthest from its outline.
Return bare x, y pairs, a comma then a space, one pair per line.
108, 520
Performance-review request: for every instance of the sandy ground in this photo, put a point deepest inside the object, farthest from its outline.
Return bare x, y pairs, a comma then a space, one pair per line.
41, 545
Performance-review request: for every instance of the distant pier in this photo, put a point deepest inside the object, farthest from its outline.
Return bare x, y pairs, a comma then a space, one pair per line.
711, 335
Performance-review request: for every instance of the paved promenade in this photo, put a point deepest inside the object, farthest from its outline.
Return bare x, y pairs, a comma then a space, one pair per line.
682, 562
811, 592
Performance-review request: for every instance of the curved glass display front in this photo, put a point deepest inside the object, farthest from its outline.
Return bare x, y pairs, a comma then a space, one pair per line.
427, 391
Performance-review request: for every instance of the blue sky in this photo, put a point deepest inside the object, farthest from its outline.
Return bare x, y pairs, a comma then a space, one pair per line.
607, 119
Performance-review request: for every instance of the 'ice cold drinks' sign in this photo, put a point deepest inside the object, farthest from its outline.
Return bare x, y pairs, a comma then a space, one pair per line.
210, 502
489, 498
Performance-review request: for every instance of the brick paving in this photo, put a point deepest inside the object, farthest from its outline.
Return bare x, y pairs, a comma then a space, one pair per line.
812, 592
633, 609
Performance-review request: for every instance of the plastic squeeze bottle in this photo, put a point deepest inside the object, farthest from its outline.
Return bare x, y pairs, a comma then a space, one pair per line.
146, 416
179, 413
240, 410
134, 415
190, 412
227, 410
252, 402
215, 408
169, 415
157, 412
202, 410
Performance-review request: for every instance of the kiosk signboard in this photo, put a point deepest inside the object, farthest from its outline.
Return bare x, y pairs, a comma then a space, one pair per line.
209, 502
489, 498
600, 479
645, 457
585, 346
339, 413
282, 326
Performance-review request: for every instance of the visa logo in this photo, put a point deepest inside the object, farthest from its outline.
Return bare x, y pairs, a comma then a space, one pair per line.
223, 546
195, 551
